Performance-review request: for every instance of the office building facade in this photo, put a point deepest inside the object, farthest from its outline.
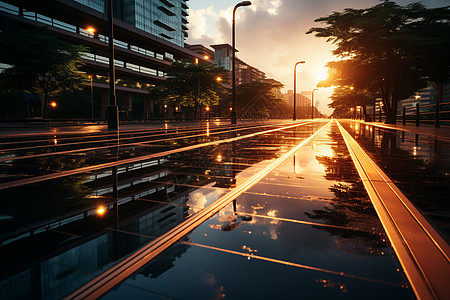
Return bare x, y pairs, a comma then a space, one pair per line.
163, 18
148, 37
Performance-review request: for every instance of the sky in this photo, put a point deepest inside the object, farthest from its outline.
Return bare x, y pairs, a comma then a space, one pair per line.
271, 36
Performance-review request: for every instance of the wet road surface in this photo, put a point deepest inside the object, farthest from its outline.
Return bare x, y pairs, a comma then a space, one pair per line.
84, 203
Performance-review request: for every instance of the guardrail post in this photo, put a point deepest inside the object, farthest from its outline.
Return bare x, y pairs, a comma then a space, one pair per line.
404, 115
417, 114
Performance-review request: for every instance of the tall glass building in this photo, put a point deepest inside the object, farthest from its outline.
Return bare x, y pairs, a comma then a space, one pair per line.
164, 18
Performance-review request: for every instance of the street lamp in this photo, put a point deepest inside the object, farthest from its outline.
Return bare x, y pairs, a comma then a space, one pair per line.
113, 111
92, 98
294, 116
90, 30
312, 102
233, 69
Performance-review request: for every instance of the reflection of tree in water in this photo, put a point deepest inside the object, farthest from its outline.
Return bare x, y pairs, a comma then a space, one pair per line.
351, 206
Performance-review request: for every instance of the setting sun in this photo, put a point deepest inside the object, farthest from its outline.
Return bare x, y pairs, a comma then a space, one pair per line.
322, 74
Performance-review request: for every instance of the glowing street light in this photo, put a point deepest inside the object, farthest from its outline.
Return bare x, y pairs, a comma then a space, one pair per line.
53, 104
294, 116
233, 69
101, 210
90, 30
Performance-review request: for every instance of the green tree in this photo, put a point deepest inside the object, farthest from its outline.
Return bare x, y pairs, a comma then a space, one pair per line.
40, 63
257, 100
193, 85
378, 46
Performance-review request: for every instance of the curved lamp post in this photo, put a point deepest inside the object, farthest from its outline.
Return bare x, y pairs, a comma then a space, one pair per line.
294, 117
312, 104
233, 71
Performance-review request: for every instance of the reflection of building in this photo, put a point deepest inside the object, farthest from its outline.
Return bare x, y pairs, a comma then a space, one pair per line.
60, 263
49, 253
148, 36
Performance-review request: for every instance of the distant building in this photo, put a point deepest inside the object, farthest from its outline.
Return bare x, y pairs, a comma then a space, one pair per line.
206, 53
223, 56
301, 100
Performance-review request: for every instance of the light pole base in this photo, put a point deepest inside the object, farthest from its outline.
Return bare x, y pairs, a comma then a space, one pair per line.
233, 117
113, 117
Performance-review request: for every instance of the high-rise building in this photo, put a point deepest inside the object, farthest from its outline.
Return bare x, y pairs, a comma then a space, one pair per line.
164, 18
148, 37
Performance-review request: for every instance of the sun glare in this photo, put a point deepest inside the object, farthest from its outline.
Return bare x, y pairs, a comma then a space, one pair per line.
322, 74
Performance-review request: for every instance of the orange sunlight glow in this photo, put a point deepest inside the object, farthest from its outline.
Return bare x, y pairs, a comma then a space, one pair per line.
322, 74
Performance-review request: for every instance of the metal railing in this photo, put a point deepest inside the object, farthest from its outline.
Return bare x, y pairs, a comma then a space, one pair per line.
426, 114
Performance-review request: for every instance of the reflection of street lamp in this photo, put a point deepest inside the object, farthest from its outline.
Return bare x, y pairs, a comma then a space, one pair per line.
92, 98
312, 102
294, 116
233, 74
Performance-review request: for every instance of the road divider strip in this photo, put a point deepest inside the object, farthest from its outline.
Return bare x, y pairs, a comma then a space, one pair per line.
422, 252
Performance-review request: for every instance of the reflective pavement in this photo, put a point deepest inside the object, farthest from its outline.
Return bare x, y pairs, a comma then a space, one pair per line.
74, 205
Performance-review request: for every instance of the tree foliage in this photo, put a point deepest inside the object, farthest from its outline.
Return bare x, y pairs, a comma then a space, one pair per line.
389, 50
192, 85
257, 100
40, 63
